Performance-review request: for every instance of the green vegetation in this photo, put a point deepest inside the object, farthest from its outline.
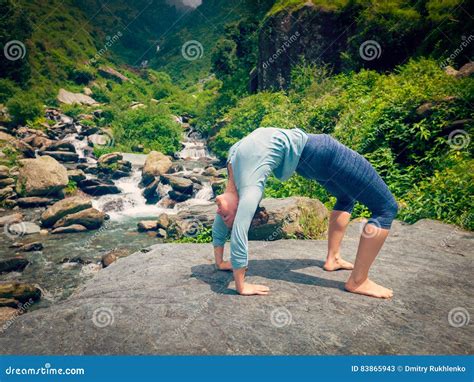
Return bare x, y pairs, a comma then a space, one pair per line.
380, 117
23, 107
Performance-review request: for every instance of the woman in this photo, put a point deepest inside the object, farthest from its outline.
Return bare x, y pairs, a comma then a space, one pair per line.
343, 172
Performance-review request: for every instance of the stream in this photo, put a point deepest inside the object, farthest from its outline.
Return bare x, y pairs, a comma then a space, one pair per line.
67, 260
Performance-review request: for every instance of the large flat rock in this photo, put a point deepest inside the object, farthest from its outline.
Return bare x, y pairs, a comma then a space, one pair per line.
171, 300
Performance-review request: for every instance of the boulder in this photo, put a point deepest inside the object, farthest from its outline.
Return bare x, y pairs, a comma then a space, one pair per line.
108, 72
147, 225
41, 176
30, 247
210, 171
70, 98
14, 293
108, 159
62, 156
76, 175
62, 208
73, 228
6, 182
299, 217
150, 192
11, 219
97, 187
13, 264
89, 218
4, 172
34, 201
17, 144
23, 228
466, 70
61, 145
179, 196
163, 221
6, 193
156, 164
183, 185
161, 233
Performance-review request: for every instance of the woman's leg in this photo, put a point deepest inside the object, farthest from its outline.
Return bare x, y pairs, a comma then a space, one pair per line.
338, 222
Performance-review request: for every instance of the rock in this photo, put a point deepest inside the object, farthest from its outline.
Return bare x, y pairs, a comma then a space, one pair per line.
175, 167
61, 146
62, 156
70, 98
218, 186
137, 105
38, 141
41, 176
183, 185
6, 182
179, 196
30, 247
87, 91
108, 259
97, 187
108, 72
34, 201
11, 219
13, 264
6, 193
108, 159
466, 70
147, 225
156, 164
76, 175
195, 300
64, 207
450, 71
18, 144
150, 192
14, 293
138, 148
76, 259
4, 172
7, 314
23, 228
73, 228
163, 221
161, 233
89, 218
210, 171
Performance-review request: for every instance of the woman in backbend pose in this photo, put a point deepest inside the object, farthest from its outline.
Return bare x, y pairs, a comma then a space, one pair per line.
343, 172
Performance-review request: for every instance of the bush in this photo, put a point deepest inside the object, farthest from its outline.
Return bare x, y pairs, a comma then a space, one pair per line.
24, 107
7, 89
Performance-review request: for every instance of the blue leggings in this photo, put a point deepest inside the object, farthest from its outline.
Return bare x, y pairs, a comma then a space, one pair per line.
349, 177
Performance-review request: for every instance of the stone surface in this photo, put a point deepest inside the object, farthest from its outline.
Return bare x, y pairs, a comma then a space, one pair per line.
147, 225
180, 184
30, 247
23, 228
41, 176
62, 208
108, 72
13, 293
170, 299
70, 98
16, 264
156, 164
7, 314
34, 201
11, 219
89, 218
98, 187
73, 228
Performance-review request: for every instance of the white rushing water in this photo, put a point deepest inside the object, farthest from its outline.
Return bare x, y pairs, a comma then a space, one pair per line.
130, 203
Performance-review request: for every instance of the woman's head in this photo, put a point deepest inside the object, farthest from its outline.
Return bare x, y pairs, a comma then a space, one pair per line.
227, 204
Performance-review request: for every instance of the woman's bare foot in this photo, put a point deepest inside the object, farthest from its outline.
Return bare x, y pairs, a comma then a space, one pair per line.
334, 264
368, 288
